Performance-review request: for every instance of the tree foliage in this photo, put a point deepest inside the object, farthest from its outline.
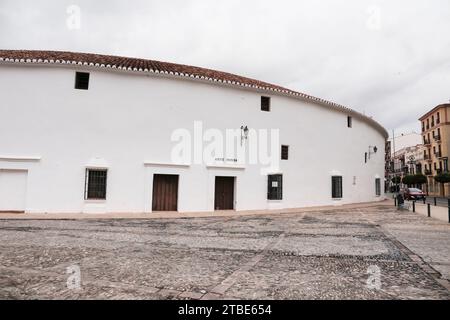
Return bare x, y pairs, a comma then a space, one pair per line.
408, 180
442, 178
396, 180
421, 179
414, 179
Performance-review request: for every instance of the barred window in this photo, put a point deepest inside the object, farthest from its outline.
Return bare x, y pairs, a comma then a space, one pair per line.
336, 187
95, 188
275, 187
82, 80
378, 187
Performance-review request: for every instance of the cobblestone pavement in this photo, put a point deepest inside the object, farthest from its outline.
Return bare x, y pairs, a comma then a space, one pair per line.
329, 254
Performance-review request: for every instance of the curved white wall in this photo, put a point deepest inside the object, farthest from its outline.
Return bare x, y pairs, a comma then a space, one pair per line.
127, 119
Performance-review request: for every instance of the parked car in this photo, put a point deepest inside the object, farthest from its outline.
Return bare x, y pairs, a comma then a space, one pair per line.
413, 194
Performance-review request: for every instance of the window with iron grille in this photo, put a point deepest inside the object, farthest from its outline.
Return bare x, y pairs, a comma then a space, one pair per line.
336, 187
284, 152
82, 80
378, 187
265, 104
95, 188
275, 187
349, 121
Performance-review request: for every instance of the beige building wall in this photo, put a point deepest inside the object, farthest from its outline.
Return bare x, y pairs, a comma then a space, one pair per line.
436, 140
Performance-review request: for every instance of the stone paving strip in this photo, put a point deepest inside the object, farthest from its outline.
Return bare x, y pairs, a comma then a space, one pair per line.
330, 253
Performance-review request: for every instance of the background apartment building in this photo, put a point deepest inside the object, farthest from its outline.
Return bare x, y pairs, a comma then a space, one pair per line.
404, 155
435, 135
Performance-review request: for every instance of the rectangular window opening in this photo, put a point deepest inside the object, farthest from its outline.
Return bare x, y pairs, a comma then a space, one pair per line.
349, 122
336, 187
275, 187
82, 80
95, 188
284, 152
265, 104
378, 187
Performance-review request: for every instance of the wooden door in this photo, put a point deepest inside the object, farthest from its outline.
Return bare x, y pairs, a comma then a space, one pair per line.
224, 193
165, 192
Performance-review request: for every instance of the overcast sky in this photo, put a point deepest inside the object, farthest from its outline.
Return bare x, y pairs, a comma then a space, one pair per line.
388, 59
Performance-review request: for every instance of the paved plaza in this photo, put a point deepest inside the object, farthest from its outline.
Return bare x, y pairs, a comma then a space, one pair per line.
371, 252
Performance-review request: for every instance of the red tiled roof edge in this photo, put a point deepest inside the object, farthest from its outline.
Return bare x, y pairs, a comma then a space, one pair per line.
158, 67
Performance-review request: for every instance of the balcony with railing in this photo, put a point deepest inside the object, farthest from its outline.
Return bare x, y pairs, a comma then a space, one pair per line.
427, 157
428, 172
426, 142
437, 137
438, 154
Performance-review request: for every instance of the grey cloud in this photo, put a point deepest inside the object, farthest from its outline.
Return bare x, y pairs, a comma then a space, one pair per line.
324, 48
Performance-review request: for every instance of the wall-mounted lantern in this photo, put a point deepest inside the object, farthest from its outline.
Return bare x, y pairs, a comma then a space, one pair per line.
244, 133
372, 150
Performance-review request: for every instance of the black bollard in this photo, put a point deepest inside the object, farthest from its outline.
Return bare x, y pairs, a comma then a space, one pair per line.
395, 201
448, 210
414, 206
424, 200
429, 210
435, 201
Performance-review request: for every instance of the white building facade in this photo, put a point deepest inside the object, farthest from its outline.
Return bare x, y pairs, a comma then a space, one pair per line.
83, 133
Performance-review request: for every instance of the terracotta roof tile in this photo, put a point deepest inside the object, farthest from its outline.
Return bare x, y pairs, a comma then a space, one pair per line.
164, 67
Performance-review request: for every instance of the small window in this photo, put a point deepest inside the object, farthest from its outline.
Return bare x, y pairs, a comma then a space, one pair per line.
336, 187
95, 184
265, 104
378, 187
275, 187
284, 152
349, 121
82, 80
